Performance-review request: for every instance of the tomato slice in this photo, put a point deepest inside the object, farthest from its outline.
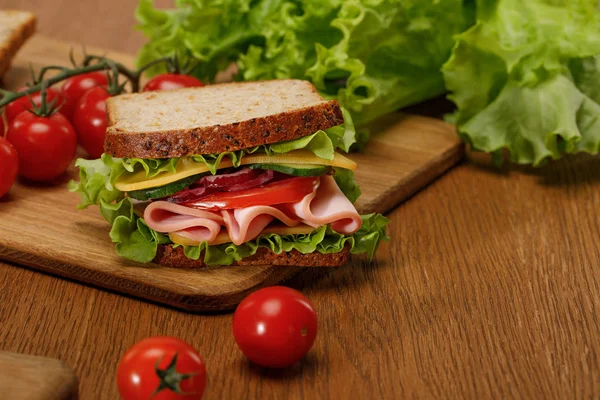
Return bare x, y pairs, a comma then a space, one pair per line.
278, 192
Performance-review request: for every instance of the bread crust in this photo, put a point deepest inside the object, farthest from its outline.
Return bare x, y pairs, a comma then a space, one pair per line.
169, 256
219, 138
17, 38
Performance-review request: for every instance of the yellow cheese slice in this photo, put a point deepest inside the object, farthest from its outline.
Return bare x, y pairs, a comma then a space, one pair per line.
187, 167
223, 236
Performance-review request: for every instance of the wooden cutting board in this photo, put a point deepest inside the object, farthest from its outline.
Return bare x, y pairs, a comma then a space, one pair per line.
25, 377
41, 227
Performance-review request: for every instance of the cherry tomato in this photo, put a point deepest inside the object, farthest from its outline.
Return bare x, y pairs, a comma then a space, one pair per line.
9, 165
139, 371
21, 104
278, 192
45, 145
1, 126
275, 326
89, 120
170, 81
76, 86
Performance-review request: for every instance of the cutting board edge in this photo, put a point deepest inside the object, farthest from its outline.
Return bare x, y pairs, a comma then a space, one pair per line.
397, 195
184, 301
267, 271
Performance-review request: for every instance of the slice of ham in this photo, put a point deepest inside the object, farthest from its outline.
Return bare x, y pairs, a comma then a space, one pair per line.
196, 224
244, 224
325, 205
328, 205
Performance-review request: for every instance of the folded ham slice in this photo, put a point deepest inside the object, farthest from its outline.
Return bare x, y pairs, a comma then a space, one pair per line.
196, 224
325, 205
247, 223
328, 205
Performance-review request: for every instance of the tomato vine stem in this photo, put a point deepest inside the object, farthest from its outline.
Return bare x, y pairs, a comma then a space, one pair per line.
91, 63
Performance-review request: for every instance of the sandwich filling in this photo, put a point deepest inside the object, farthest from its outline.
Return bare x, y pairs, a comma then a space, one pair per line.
294, 195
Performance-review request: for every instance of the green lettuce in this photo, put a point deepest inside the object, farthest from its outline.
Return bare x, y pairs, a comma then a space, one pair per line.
345, 181
134, 239
374, 56
321, 143
524, 75
323, 240
526, 78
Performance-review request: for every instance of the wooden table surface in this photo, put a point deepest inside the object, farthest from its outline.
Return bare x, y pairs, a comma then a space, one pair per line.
490, 288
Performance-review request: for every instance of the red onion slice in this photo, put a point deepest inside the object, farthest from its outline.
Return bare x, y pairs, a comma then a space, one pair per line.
261, 179
188, 195
226, 180
245, 178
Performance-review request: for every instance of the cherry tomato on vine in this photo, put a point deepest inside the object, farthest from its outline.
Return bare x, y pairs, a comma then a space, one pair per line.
89, 120
275, 326
9, 165
21, 104
170, 81
76, 86
161, 368
45, 145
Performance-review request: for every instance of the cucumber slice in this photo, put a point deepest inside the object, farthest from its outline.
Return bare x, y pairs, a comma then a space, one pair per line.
165, 190
296, 169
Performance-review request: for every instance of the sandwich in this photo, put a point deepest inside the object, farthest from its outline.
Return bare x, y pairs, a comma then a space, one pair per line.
230, 174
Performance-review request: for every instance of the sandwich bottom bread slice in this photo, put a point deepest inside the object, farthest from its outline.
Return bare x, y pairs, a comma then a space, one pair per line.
280, 202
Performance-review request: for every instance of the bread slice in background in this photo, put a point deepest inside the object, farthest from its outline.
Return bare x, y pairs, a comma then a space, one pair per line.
215, 118
15, 28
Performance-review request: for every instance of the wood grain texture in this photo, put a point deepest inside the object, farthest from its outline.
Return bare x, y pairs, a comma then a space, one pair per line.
406, 153
490, 289
25, 377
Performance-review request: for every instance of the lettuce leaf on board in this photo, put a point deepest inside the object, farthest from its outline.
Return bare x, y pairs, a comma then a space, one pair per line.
374, 56
525, 78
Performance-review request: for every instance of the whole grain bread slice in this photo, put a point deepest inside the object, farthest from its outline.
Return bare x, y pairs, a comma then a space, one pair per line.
173, 257
215, 118
15, 28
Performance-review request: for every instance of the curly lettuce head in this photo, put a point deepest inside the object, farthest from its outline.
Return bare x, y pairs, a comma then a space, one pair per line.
374, 56
526, 78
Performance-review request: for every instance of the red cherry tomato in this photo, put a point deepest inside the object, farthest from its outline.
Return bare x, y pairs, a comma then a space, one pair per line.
76, 86
278, 192
1, 125
275, 326
170, 81
9, 165
45, 145
139, 369
21, 104
89, 120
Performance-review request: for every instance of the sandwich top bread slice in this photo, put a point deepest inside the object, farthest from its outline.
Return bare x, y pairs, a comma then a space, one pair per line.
230, 174
15, 28
216, 118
